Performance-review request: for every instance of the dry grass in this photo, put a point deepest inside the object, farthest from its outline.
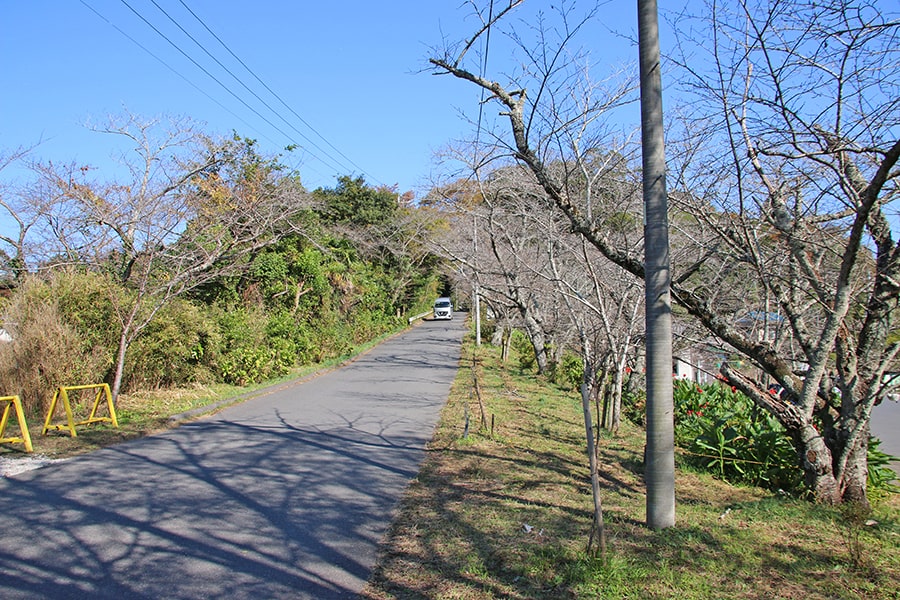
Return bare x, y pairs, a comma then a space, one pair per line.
507, 515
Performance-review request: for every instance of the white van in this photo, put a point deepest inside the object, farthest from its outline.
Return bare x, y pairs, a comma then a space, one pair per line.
443, 308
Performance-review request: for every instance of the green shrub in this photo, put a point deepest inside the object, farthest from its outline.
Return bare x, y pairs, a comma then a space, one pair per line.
524, 350
176, 348
333, 339
246, 365
242, 357
569, 372
634, 406
881, 476
90, 303
722, 431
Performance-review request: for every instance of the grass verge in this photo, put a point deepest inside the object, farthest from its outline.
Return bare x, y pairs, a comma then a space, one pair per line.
505, 512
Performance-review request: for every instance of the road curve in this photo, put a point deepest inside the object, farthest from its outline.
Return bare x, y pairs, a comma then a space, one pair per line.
283, 496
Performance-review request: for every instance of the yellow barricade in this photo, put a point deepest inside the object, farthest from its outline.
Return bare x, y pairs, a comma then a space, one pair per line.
63, 393
9, 403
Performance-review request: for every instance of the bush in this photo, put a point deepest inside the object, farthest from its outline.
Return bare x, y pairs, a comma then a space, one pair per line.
569, 372
177, 348
726, 434
256, 346
524, 349
49, 350
634, 406
881, 477
246, 365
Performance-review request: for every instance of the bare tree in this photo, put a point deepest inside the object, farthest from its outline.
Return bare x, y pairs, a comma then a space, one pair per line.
191, 209
21, 206
792, 173
786, 176
496, 242
559, 128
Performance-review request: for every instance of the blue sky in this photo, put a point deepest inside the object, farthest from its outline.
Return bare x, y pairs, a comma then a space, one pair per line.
352, 70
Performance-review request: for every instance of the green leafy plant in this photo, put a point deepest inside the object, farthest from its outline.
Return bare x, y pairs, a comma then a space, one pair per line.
881, 476
569, 372
524, 350
722, 431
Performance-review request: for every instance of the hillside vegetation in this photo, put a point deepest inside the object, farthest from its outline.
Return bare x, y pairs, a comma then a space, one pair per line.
229, 300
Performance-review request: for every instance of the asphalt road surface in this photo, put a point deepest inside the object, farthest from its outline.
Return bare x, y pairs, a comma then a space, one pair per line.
885, 425
286, 495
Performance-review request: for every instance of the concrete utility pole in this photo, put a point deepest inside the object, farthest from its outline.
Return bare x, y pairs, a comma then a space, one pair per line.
659, 463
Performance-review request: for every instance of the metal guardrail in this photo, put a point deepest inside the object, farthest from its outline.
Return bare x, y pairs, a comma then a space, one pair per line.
417, 317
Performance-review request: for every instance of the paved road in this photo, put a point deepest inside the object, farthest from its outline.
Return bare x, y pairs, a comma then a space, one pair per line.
284, 496
885, 426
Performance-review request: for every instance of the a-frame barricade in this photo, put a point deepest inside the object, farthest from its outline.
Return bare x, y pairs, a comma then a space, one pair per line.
70, 424
14, 403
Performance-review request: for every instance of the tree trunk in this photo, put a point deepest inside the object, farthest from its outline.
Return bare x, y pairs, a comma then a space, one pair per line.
120, 365
659, 471
538, 342
498, 335
618, 383
854, 478
816, 460
823, 475
593, 462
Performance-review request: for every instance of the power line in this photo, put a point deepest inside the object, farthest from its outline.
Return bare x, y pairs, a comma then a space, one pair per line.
195, 86
168, 66
483, 66
244, 85
337, 168
285, 104
214, 78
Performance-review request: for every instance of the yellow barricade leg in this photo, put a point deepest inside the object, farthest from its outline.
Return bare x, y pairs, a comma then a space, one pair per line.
63, 393
13, 402
70, 421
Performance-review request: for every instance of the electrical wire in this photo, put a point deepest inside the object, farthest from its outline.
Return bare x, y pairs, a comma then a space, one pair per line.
171, 68
268, 89
483, 66
191, 83
334, 164
216, 79
196, 87
244, 85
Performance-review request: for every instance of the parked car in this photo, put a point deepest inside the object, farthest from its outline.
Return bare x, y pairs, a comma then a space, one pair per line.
443, 308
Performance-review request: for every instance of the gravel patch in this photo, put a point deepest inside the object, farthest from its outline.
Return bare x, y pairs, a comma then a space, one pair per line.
14, 466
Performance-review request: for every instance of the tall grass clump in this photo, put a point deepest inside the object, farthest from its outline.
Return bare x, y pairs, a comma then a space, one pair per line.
49, 347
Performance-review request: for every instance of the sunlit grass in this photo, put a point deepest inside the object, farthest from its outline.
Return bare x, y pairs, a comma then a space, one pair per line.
503, 510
